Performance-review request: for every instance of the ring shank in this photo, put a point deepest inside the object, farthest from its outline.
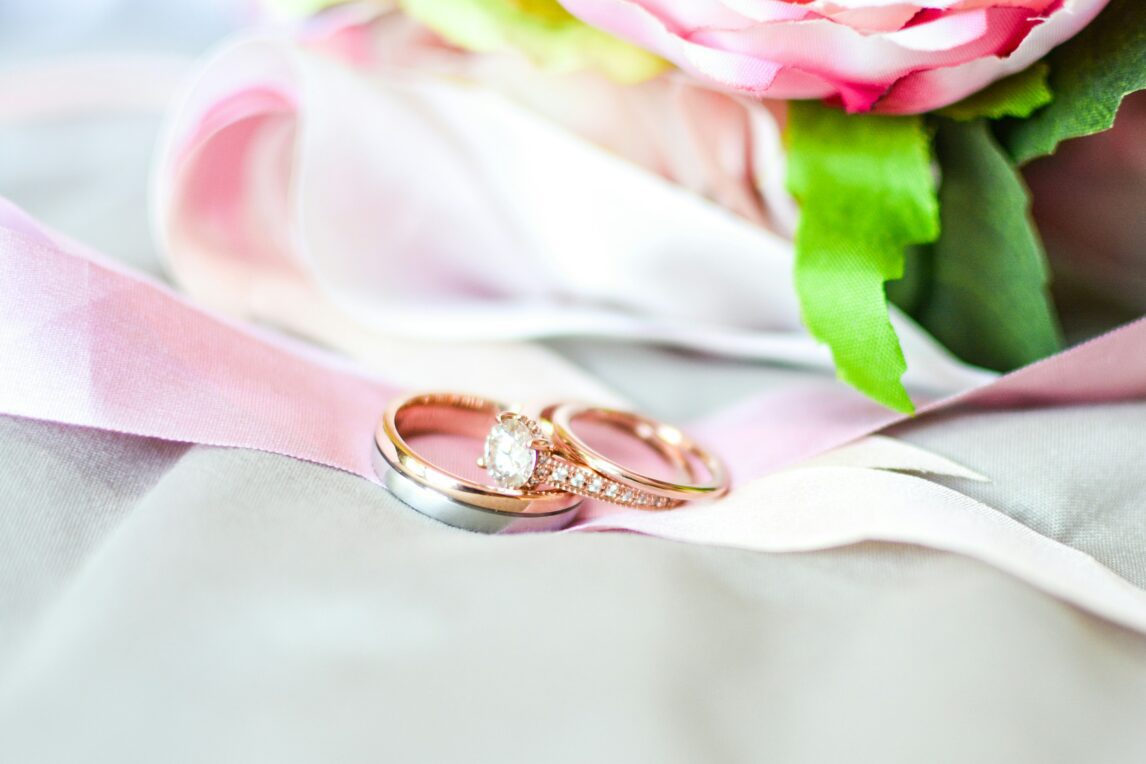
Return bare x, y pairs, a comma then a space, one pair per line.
438, 413
431, 503
662, 437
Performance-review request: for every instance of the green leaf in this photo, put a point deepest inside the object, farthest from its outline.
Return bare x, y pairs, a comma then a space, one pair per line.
988, 301
1090, 75
866, 192
541, 29
1019, 95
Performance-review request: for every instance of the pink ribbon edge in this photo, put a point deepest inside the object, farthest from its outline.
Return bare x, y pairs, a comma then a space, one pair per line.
34, 259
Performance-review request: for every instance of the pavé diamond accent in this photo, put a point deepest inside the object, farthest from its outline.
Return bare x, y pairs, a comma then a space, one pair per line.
581, 480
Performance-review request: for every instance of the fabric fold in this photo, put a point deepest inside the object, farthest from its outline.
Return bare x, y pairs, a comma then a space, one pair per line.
85, 343
425, 205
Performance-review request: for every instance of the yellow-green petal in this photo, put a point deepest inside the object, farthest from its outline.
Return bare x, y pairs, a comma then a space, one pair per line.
541, 29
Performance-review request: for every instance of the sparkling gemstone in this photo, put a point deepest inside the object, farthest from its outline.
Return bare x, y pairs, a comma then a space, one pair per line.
560, 474
509, 457
596, 484
578, 479
611, 490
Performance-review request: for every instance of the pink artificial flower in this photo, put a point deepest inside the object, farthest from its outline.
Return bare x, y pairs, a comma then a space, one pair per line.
890, 56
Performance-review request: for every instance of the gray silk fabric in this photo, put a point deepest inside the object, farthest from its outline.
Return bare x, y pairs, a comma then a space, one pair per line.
1075, 474
170, 603
173, 603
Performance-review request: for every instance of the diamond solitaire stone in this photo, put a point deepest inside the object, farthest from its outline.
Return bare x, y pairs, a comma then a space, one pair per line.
509, 457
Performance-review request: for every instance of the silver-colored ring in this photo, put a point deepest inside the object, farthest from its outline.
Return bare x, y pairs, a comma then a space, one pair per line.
468, 517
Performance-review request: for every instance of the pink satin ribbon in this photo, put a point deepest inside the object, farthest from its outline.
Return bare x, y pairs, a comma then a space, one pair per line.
84, 342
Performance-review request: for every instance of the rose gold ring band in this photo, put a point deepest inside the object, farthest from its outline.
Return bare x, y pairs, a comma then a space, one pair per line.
660, 436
